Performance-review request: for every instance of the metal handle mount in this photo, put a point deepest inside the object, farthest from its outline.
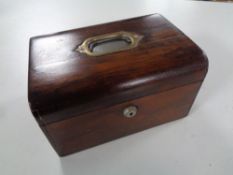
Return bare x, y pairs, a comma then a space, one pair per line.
109, 43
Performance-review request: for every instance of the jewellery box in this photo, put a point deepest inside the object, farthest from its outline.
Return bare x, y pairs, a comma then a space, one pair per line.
94, 84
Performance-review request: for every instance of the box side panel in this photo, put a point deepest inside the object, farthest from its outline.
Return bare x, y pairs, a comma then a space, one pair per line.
98, 127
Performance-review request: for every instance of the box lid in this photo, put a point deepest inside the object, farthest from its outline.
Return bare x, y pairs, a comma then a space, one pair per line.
70, 75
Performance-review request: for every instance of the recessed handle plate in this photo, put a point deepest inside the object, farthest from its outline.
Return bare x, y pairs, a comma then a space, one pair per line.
109, 43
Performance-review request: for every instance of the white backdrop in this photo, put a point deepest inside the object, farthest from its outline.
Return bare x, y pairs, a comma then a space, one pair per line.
201, 144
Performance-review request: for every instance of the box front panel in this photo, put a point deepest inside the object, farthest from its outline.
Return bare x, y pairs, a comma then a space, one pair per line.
100, 126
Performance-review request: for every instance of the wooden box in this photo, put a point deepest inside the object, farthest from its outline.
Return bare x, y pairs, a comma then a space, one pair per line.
91, 85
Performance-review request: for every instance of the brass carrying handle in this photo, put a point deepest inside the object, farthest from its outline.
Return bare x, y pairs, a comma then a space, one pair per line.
109, 43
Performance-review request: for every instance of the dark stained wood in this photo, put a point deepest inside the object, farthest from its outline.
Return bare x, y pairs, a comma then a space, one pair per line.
95, 128
64, 83
78, 100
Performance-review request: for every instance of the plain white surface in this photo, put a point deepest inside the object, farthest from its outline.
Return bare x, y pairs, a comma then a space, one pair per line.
201, 144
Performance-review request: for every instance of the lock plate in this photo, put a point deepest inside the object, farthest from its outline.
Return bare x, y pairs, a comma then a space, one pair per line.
130, 111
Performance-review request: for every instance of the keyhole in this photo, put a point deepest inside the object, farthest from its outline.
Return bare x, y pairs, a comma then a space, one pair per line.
130, 111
